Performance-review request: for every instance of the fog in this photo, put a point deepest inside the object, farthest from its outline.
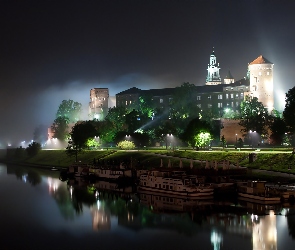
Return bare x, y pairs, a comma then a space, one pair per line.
29, 109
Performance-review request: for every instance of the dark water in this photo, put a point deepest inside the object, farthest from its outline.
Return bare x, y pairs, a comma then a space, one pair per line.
38, 211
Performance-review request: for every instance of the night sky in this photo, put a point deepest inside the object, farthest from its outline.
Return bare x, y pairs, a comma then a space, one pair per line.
58, 50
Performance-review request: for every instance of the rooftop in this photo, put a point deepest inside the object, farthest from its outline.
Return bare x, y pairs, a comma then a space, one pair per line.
260, 60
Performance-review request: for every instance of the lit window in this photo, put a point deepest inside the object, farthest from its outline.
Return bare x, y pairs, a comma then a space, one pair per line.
126, 103
231, 96
130, 102
198, 98
226, 96
199, 105
232, 104
259, 73
237, 104
209, 97
220, 105
161, 100
219, 97
209, 105
267, 73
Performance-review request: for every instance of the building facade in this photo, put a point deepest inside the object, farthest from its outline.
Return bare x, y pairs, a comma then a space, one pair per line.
98, 105
261, 81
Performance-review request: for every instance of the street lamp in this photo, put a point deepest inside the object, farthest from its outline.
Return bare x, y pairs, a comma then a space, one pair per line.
251, 137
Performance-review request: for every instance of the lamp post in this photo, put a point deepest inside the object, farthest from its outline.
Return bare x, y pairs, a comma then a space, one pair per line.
251, 137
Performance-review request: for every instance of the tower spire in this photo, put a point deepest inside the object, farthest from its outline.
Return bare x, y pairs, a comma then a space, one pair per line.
213, 76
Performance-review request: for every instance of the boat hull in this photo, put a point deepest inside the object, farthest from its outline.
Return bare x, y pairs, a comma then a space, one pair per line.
259, 199
208, 194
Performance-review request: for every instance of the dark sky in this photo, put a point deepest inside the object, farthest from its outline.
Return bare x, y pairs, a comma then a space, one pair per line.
57, 50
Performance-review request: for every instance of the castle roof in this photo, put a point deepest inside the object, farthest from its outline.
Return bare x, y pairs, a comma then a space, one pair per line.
130, 91
229, 76
260, 60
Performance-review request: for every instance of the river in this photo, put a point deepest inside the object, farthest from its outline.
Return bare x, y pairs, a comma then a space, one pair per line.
39, 211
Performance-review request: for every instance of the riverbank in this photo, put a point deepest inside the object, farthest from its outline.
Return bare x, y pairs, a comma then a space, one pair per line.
280, 163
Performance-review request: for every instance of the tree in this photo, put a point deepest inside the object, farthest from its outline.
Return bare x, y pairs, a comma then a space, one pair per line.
116, 118
254, 116
33, 149
278, 129
80, 133
223, 141
60, 128
197, 133
289, 111
70, 109
135, 120
202, 139
184, 107
146, 105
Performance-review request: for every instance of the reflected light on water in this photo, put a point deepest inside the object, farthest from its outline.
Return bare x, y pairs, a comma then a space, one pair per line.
264, 232
216, 239
53, 185
24, 178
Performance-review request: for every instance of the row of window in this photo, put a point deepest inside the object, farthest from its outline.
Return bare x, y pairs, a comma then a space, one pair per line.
98, 98
227, 96
220, 105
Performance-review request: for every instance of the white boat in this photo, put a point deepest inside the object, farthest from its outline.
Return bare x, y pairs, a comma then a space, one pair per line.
111, 173
173, 185
257, 191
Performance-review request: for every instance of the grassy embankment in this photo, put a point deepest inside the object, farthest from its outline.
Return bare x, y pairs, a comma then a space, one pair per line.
280, 162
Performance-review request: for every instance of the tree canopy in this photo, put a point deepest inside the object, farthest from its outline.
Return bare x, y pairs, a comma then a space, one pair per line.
60, 128
289, 111
70, 109
197, 133
80, 134
254, 116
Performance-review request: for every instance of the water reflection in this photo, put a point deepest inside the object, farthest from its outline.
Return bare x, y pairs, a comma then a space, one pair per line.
104, 208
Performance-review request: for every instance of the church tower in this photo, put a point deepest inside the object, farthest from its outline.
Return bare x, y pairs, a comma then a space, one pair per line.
261, 81
213, 76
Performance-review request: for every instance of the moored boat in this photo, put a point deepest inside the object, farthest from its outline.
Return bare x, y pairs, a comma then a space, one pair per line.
112, 173
257, 191
173, 185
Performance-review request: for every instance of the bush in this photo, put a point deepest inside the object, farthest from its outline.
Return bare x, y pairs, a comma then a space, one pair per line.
126, 145
33, 149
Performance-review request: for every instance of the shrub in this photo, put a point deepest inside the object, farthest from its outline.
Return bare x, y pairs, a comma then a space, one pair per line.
126, 145
33, 149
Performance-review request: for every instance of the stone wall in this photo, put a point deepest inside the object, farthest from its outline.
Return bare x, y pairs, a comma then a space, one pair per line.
231, 130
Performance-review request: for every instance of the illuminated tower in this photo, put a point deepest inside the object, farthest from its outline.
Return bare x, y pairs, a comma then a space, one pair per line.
213, 76
98, 105
261, 81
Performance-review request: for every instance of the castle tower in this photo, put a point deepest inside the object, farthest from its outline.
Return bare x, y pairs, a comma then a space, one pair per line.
261, 81
98, 105
213, 76
229, 78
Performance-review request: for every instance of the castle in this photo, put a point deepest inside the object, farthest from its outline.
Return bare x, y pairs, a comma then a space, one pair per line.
213, 95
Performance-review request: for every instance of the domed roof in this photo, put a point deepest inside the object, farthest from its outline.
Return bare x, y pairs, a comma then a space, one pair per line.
260, 60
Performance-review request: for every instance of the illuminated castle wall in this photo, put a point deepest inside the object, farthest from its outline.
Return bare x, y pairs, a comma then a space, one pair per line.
261, 81
98, 105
